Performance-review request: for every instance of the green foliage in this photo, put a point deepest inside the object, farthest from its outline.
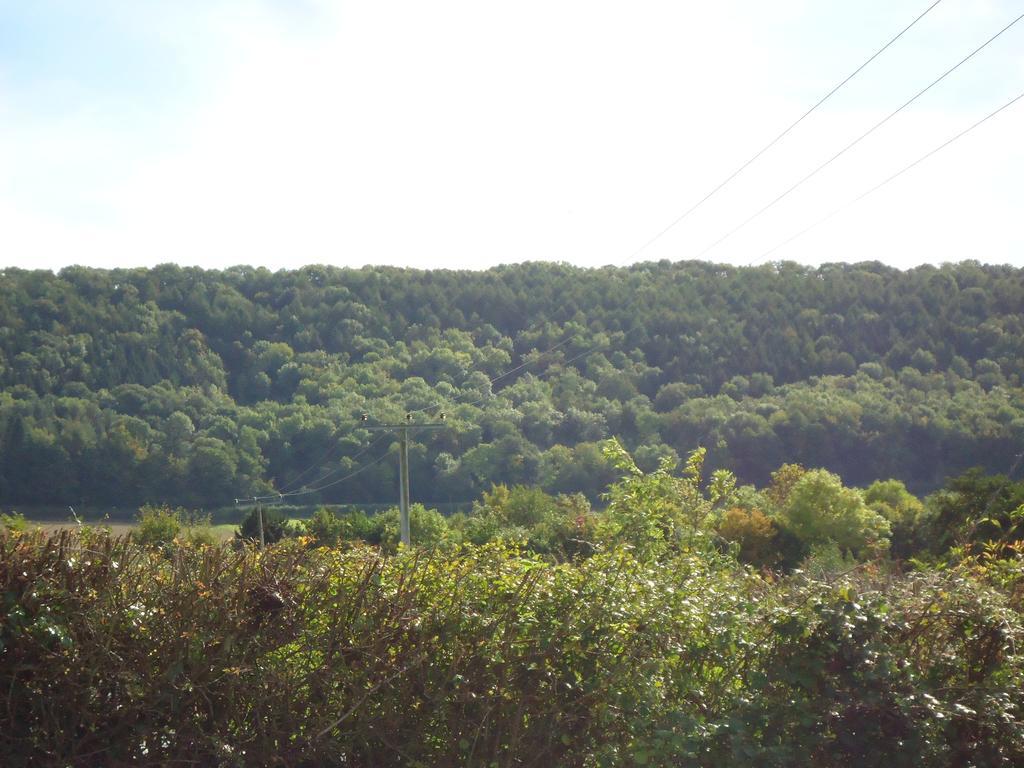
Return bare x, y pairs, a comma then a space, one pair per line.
905, 513
161, 526
326, 527
561, 527
158, 526
783, 480
275, 525
826, 560
13, 521
862, 674
657, 512
482, 656
196, 387
427, 528
200, 535
754, 535
974, 508
819, 510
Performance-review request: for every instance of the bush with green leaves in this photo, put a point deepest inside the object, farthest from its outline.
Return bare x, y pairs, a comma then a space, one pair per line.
428, 528
906, 515
13, 521
158, 525
560, 526
486, 656
659, 512
753, 534
161, 526
275, 525
326, 527
820, 509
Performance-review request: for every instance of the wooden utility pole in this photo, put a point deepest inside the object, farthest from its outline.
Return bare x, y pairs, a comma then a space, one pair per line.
403, 467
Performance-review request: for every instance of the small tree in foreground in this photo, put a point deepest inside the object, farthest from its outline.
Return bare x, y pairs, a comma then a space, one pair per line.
657, 512
158, 525
275, 525
819, 509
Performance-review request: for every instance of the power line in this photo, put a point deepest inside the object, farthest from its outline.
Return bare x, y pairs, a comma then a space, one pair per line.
291, 485
346, 477
893, 177
782, 135
305, 491
860, 138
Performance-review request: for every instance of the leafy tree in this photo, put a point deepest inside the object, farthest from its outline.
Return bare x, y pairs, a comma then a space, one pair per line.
904, 512
428, 528
158, 526
13, 521
784, 479
325, 526
819, 510
192, 386
275, 525
658, 512
754, 535
974, 508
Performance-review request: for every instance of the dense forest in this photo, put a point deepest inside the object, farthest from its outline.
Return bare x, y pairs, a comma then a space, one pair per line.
196, 387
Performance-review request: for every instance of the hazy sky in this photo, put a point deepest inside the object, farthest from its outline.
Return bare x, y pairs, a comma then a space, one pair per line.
467, 134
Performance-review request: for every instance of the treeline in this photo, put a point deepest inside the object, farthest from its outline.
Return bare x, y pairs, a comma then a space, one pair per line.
803, 518
196, 387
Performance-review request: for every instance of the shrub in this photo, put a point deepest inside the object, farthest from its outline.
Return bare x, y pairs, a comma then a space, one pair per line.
13, 521
427, 527
325, 527
819, 509
754, 535
201, 535
275, 526
558, 526
113, 654
158, 526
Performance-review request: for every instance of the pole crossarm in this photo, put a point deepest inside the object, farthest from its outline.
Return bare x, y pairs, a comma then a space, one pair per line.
385, 427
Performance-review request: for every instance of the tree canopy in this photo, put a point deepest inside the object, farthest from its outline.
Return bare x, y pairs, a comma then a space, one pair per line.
190, 386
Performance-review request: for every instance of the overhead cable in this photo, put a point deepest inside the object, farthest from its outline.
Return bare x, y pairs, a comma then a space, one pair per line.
304, 491
782, 135
893, 177
860, 138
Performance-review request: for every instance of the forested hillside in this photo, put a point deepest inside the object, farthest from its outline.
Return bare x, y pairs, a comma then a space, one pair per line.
195, 387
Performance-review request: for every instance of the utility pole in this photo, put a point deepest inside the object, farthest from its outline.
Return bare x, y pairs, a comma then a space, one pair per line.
403, 466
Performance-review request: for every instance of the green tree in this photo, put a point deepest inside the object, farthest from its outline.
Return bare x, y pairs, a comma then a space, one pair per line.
659, 512
428, 528
158, 526
325, 526
275, 525
904, 512
819, 509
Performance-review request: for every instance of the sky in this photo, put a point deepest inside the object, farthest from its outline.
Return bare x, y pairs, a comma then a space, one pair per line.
468, 134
